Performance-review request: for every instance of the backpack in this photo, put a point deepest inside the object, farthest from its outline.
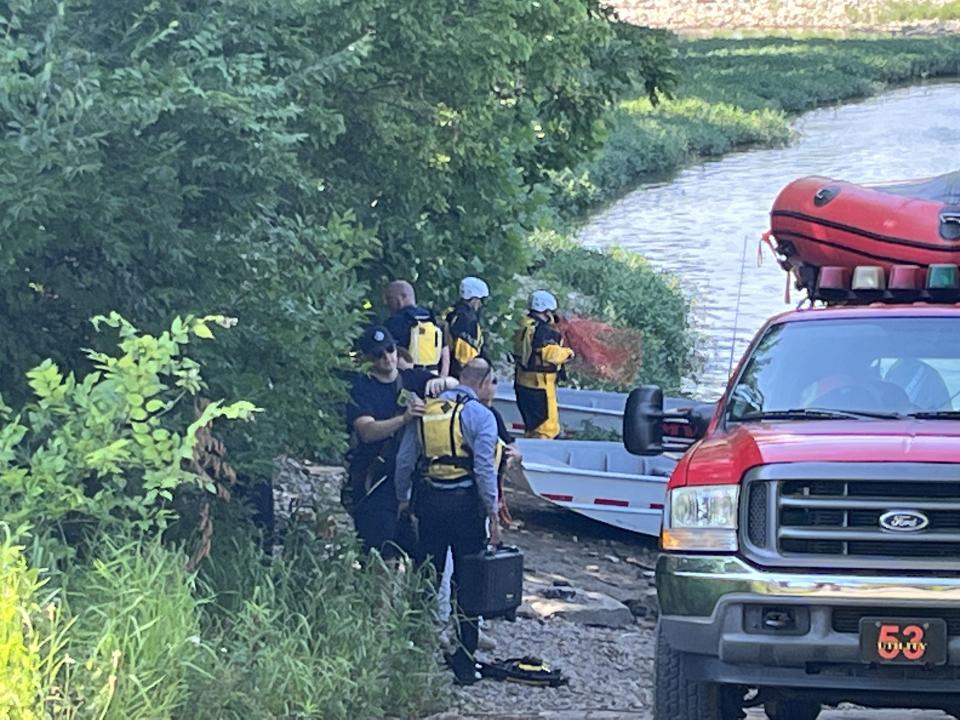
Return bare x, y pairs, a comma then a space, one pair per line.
444, 455
426, 340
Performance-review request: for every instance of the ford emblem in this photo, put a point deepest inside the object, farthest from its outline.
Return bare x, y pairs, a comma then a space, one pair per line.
904, 521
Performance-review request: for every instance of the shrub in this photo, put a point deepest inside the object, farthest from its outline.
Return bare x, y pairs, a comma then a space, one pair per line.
107, 451
271, 160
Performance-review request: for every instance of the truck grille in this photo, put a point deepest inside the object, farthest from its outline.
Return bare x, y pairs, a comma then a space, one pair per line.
832, 517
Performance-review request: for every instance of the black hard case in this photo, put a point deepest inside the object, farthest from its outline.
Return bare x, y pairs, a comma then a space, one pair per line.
491, 583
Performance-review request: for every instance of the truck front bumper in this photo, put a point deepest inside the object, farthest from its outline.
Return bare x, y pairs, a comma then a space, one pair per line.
709, 606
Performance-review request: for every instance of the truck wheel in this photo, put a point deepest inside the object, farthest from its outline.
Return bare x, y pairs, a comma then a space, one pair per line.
677, 698
791, 710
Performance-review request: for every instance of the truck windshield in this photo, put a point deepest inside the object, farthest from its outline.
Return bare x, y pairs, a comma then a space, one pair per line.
857, 367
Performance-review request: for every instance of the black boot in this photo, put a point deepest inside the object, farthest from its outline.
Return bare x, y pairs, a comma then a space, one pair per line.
465, 670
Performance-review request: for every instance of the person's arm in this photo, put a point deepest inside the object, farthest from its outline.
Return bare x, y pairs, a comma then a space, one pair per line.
407, 455
371, 431
556, 354
444, 361
480, 433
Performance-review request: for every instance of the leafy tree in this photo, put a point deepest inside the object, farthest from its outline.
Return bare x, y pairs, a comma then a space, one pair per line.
269, 159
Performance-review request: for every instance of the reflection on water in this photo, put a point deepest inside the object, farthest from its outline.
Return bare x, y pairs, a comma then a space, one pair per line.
705, 225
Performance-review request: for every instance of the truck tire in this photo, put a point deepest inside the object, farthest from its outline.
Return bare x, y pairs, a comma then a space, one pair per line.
792, 710
678, 698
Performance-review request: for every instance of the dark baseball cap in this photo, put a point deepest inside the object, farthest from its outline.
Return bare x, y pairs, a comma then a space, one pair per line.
375, 340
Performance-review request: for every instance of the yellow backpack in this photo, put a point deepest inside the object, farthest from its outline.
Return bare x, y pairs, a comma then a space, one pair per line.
444, 457
426, 343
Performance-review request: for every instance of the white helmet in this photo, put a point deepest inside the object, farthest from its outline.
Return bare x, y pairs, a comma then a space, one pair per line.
473, 287
542, 301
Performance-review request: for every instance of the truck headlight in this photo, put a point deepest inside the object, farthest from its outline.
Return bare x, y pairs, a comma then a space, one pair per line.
701, 518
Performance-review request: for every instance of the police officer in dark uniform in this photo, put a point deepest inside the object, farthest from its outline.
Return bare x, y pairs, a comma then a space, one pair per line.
382, 403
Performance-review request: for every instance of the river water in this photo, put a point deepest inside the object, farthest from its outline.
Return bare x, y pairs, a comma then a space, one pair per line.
705, 224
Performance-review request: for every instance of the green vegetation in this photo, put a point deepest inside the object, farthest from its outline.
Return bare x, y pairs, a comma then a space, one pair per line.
736, 93
915, 10
277, 162
103, 612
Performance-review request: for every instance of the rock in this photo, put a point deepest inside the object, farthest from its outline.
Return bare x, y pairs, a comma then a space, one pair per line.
640, 607
612, 559
585, 607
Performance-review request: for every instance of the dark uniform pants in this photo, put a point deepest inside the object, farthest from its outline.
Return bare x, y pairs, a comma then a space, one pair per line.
452, 519
375, 519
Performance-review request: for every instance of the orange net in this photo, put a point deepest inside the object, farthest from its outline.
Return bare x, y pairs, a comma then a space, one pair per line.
611, 353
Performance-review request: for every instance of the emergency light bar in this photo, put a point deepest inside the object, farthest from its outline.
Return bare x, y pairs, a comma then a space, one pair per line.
903, 283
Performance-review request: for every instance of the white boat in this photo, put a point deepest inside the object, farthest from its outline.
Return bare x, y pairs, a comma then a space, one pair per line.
582, 409
577, 408
598, 479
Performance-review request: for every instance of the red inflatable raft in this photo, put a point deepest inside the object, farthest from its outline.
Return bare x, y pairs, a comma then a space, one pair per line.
818, 222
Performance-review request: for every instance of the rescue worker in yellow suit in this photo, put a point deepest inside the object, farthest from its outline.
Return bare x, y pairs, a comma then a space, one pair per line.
539, 355
463, 334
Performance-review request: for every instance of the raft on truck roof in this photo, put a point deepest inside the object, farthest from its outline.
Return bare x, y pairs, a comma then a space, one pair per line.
826, 232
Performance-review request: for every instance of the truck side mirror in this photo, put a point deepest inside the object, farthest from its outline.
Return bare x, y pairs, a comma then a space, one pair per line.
643, 421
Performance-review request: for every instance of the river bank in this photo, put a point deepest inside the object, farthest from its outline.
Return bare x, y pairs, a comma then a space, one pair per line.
738, 93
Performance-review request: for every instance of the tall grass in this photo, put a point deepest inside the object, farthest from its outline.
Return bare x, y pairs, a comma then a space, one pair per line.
33, 665
136, 631
322, 632
915, 10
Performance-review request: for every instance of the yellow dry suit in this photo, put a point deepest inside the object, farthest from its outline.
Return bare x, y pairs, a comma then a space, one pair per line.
539, 355
445, 456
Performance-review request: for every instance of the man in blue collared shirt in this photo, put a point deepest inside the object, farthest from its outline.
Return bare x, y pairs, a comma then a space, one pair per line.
453, 512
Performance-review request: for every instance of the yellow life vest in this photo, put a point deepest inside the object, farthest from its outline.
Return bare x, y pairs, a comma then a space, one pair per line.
445, 456
426, 343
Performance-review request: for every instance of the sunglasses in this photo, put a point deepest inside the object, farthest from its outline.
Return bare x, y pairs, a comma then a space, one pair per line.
388, 350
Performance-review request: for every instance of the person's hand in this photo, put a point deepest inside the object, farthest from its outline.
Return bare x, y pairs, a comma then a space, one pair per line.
513, 455
435, 386
415, 409
494, 530
403, 509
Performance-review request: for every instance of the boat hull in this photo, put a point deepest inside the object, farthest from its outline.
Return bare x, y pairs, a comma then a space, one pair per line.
599, 480
580, 410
